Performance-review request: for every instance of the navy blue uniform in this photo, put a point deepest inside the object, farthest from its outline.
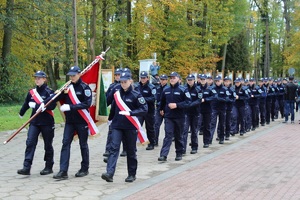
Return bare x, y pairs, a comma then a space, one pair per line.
280, 98
158, 117
148, 91
256, 93
269, 102
219, 109
192, 118
174, 118
242, 94
229, 105
121, 127
76, 123
262, 105
205, 110
44, 124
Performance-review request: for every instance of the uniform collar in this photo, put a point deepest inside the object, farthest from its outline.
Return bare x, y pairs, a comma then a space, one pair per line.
41, 88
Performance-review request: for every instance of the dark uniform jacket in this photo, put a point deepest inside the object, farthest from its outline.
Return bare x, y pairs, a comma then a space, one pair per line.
256, 92
221, 97
135, 102
231, 99
175, 94
281, 91
148, 91
290, 91
159, 90
84, 95
43, 118
242, 92
208, 96
196, 94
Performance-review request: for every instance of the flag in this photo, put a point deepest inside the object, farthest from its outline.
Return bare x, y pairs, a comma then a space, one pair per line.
93, 78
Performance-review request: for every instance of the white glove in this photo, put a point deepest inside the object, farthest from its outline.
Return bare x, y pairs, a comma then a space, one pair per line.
20, 116
65, 107
126, 113
109, 122
32, 104
42, 108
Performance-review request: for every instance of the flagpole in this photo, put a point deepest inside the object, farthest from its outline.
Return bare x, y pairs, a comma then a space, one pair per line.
57, 93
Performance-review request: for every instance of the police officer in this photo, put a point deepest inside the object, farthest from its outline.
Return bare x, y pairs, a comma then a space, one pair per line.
44, 124
248, 118
205, 110
269, 99
241, 97
148, 91
229, 105
280, 96
127, 104
255, 95
163, 80
174, 100
218, 106
262, 101
192, 115
75, 122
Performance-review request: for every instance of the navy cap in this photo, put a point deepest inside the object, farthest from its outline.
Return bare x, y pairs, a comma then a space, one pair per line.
227, 78
285, 79
118, 71
174, 74
126, 70
202, 76
261, 79
237, 80
143, 74
242, 79
270, 79
279, 79
295, 81
266, 79
73, 71
163, 76
252, 79
125, 76
217, 78
40, 74
275, 81
209, 77
190, 77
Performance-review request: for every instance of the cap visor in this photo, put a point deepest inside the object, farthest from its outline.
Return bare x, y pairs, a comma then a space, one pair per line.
72, 73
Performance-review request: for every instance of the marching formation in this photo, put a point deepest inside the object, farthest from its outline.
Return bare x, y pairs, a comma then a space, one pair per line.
204, 105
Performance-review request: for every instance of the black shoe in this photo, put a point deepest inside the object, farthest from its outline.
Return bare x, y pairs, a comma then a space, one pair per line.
162, 158
221, 142
61, 175
253, 129
262, 124
242, 133
123, 154
81, 173
273, 120
107, 177
226, 138
105, 159
46, 171
205, 145
24, 171
130, 179
200, 133
194, 151
178, 157
106, 154
232, 134
268, 123
248, 130
284, 122
292, 122
150, 147
217, 138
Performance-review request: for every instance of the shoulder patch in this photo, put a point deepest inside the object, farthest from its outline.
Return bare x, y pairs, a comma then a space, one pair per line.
227, 93
200, 95
87, 93
141, 100
214, 91
188, 95
154, 91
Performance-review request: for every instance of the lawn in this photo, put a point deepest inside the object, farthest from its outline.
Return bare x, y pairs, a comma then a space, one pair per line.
9, 117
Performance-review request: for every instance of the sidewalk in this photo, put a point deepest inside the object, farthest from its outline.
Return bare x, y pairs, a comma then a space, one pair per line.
261, 164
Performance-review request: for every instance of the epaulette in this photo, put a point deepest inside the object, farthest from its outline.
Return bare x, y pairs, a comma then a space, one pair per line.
182, 88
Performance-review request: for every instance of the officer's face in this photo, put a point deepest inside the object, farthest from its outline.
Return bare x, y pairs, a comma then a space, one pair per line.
209, 81
237, 84
218, 82
144, 80
203, 81
39, 81
174, 80
117, 77
125, 84
75, 78
190, 82
227, 83
251, 83
163, 81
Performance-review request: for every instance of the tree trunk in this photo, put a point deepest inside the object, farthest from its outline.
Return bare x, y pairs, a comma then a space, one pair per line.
93, 29
129, 42
6, 44
75, 45
50, 73
224, 58
67, 62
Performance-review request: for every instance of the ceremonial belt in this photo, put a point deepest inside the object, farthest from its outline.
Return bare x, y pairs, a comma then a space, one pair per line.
142, 136
83, 112
38, 99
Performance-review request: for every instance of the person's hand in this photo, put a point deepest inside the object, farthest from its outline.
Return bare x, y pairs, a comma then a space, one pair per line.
32, 104
172, 105
65, 107
109, 122
20, 116
236, 97
42, 108
126, 113
161, 113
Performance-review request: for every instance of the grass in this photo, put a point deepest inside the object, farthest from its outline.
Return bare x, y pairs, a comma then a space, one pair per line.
10, 120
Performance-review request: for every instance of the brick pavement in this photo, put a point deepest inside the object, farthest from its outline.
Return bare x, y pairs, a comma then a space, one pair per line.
264, 166
245, 166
